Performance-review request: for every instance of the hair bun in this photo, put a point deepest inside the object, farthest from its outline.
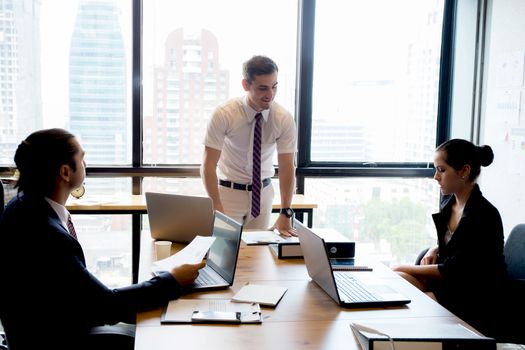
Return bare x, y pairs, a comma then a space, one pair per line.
486, 156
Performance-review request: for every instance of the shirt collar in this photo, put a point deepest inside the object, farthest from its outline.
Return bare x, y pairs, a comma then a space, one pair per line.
59, 209
250, 112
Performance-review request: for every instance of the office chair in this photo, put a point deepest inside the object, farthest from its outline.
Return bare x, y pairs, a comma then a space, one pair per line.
116, 337
120, 336
2, 198
514, 251
421, 255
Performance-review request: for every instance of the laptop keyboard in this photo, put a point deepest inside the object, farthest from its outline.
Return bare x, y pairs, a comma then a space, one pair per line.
353, 289
204, 279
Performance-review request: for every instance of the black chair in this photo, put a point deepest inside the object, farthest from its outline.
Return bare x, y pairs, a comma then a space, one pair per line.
3, 342
2, 198
514, 251
116, 337
421, 255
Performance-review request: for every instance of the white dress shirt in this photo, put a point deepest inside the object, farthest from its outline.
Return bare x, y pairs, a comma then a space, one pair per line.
230, 131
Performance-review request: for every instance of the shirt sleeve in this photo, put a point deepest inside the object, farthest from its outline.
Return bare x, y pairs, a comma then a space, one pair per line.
216, 131
287, 141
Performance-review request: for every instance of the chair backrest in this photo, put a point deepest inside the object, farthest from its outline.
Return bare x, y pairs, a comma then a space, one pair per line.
515, 252
2, 198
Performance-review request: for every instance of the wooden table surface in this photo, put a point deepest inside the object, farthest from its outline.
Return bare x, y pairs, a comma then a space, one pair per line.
305, 318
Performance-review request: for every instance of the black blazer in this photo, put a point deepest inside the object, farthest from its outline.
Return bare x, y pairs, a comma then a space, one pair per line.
48, 298
472, 264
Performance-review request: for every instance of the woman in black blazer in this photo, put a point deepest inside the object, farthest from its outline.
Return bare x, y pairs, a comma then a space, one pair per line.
48, 297
466, 271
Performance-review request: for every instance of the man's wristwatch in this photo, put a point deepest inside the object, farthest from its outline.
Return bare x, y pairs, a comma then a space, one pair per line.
288, 212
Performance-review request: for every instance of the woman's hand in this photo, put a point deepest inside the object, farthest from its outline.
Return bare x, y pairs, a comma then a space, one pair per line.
430, 257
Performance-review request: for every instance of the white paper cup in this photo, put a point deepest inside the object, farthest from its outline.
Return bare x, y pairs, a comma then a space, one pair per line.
162, 249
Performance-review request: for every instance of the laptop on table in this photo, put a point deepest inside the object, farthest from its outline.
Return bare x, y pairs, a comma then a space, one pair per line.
343, 286
179, 218
221, 262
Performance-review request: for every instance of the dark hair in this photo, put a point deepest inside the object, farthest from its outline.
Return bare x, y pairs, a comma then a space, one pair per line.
39, 158
459, 152
258, 65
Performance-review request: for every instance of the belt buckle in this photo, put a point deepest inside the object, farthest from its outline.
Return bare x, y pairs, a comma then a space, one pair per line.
247, 188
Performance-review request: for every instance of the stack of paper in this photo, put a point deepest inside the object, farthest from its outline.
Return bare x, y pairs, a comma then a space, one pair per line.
193, 253
255, 237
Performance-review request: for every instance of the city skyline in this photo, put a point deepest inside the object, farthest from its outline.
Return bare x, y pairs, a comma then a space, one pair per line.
20, 113
188, 71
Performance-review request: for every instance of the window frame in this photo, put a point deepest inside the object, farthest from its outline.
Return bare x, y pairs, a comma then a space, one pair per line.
305, 59
303, 108
306, 167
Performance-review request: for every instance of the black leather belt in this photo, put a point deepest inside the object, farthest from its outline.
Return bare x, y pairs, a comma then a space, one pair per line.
243, 187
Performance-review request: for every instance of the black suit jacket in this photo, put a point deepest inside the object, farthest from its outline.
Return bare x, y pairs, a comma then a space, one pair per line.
472, 263
48, 298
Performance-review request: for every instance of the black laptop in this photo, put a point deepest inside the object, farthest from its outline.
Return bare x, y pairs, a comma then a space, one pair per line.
222, 256
344, 287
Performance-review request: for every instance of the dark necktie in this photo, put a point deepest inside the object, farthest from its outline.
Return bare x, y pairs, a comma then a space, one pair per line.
70, 227
256, 170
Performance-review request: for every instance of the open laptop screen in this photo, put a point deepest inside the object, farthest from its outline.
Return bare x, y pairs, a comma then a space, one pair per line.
224, 251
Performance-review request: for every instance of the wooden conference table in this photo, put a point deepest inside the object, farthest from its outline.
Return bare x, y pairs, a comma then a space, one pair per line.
136, 204
305, 318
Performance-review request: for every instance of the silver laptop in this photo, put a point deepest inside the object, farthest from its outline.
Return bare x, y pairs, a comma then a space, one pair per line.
222, 257
179, 218
343, 286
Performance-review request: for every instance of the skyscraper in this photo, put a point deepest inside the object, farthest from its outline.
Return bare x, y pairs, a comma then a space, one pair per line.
187, 89
98, 83
20, 81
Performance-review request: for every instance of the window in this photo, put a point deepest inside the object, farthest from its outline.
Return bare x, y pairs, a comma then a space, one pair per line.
389, 218
375, 80
200, 51
372, 98
73, 68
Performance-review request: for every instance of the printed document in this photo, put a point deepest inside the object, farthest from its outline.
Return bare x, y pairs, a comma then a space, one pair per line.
193, 253
263, 237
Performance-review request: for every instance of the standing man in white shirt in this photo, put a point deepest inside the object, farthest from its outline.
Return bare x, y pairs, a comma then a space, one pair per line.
241, 136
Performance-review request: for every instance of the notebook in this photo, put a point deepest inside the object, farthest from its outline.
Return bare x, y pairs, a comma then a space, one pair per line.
264, 295
345, 287
222, 257
179, 218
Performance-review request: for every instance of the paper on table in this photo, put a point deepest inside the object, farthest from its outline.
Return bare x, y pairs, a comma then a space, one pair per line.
265, 237
262, 294
193, 253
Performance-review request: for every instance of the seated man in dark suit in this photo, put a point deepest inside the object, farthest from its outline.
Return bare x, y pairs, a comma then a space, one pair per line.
48, 297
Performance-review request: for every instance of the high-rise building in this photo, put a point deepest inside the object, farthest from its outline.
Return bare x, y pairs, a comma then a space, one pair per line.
337, 141
98, 83
20, 81
423, 65
187, 88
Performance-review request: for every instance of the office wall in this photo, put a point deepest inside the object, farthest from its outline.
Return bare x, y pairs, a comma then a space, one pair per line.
503, 109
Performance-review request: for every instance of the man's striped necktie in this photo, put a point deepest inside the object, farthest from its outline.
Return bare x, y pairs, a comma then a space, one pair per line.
256, 170
71, 228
